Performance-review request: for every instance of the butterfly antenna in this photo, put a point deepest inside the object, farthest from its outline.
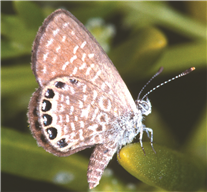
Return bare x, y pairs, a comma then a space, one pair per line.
165, 82
155, 75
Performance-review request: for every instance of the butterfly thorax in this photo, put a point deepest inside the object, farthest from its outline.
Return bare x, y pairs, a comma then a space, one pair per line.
130, 124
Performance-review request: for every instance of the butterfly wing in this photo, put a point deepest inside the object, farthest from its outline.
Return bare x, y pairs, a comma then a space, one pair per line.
93, 93
75, 116
39, 133
64, 47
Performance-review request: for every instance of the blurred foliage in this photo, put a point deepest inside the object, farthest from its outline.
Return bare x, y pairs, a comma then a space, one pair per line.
141, 37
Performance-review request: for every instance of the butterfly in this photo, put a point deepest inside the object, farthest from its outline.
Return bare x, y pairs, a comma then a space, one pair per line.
81, 101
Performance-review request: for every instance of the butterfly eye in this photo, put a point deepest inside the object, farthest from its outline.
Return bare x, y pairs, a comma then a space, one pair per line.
145, 106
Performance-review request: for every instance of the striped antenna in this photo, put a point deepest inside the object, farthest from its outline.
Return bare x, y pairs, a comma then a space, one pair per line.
155, 75
165, 82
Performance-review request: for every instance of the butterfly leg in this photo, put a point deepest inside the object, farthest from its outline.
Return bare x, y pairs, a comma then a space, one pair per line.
140, 139
99, 159
147, 130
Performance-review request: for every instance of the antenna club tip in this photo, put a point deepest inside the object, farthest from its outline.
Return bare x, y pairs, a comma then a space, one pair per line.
192, 68
189, 70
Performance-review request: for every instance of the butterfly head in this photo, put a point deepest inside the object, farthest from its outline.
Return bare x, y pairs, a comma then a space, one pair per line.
144, 106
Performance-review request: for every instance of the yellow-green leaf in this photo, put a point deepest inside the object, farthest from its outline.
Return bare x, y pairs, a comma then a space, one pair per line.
167, 169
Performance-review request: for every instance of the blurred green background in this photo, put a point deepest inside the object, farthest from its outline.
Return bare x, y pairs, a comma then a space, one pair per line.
139, 37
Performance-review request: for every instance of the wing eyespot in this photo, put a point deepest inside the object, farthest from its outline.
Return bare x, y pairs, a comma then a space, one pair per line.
62, 143
73, 81
59, 84
47, 119
52, 132
46, 105
49, 94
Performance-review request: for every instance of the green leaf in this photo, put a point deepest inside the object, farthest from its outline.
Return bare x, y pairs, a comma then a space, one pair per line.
162, 14
19, 30
139, 52
21, 156
29, 13
179, 58
17, 80
196, 142
167, 169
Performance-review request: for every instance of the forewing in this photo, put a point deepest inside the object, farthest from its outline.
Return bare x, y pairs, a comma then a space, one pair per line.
64, 47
